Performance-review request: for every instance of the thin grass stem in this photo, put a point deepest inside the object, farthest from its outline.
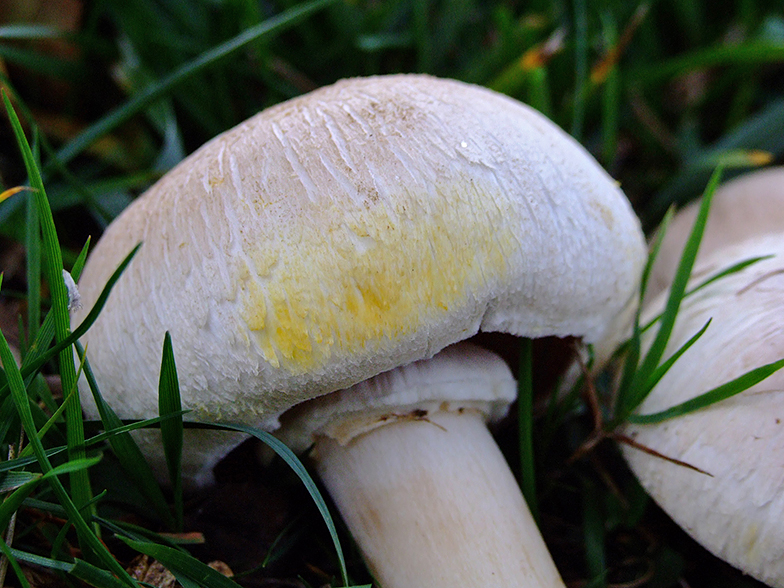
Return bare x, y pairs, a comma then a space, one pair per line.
525, 409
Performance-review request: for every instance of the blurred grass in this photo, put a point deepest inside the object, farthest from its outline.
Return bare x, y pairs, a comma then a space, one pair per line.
119, 91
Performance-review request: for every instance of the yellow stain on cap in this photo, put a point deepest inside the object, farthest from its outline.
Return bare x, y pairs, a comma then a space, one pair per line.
420, 257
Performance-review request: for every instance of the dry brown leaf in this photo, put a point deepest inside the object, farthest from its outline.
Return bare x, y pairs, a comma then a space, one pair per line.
150, 571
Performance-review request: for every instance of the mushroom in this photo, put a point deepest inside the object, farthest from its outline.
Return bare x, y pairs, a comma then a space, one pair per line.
346, 233
732, 502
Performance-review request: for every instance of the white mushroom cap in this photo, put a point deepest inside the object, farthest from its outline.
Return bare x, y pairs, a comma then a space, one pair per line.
352, 230
749, 205
737, 512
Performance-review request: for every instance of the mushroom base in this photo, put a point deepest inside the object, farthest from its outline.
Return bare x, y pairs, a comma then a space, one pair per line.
432, 503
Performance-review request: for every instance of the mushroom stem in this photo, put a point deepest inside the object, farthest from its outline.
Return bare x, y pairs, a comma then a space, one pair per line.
432, 503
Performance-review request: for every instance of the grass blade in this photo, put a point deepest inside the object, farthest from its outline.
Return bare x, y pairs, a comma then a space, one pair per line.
733, 269
132, 426
623, 402
594, 535
611, 97
79, 569
677, 290
138, 533
654, 250
33, 269
171, 429
756, 52
422, 37
13, 501
127, 452
14, 564
53, 270
16, 479
658, 374
580, 67
713, 396
81, 259
525, 407
28, 32
296, 465
20, 462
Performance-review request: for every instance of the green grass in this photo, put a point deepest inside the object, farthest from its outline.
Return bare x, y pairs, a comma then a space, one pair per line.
662, 93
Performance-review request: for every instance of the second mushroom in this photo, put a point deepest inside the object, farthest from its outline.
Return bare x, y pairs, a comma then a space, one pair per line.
731, 500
